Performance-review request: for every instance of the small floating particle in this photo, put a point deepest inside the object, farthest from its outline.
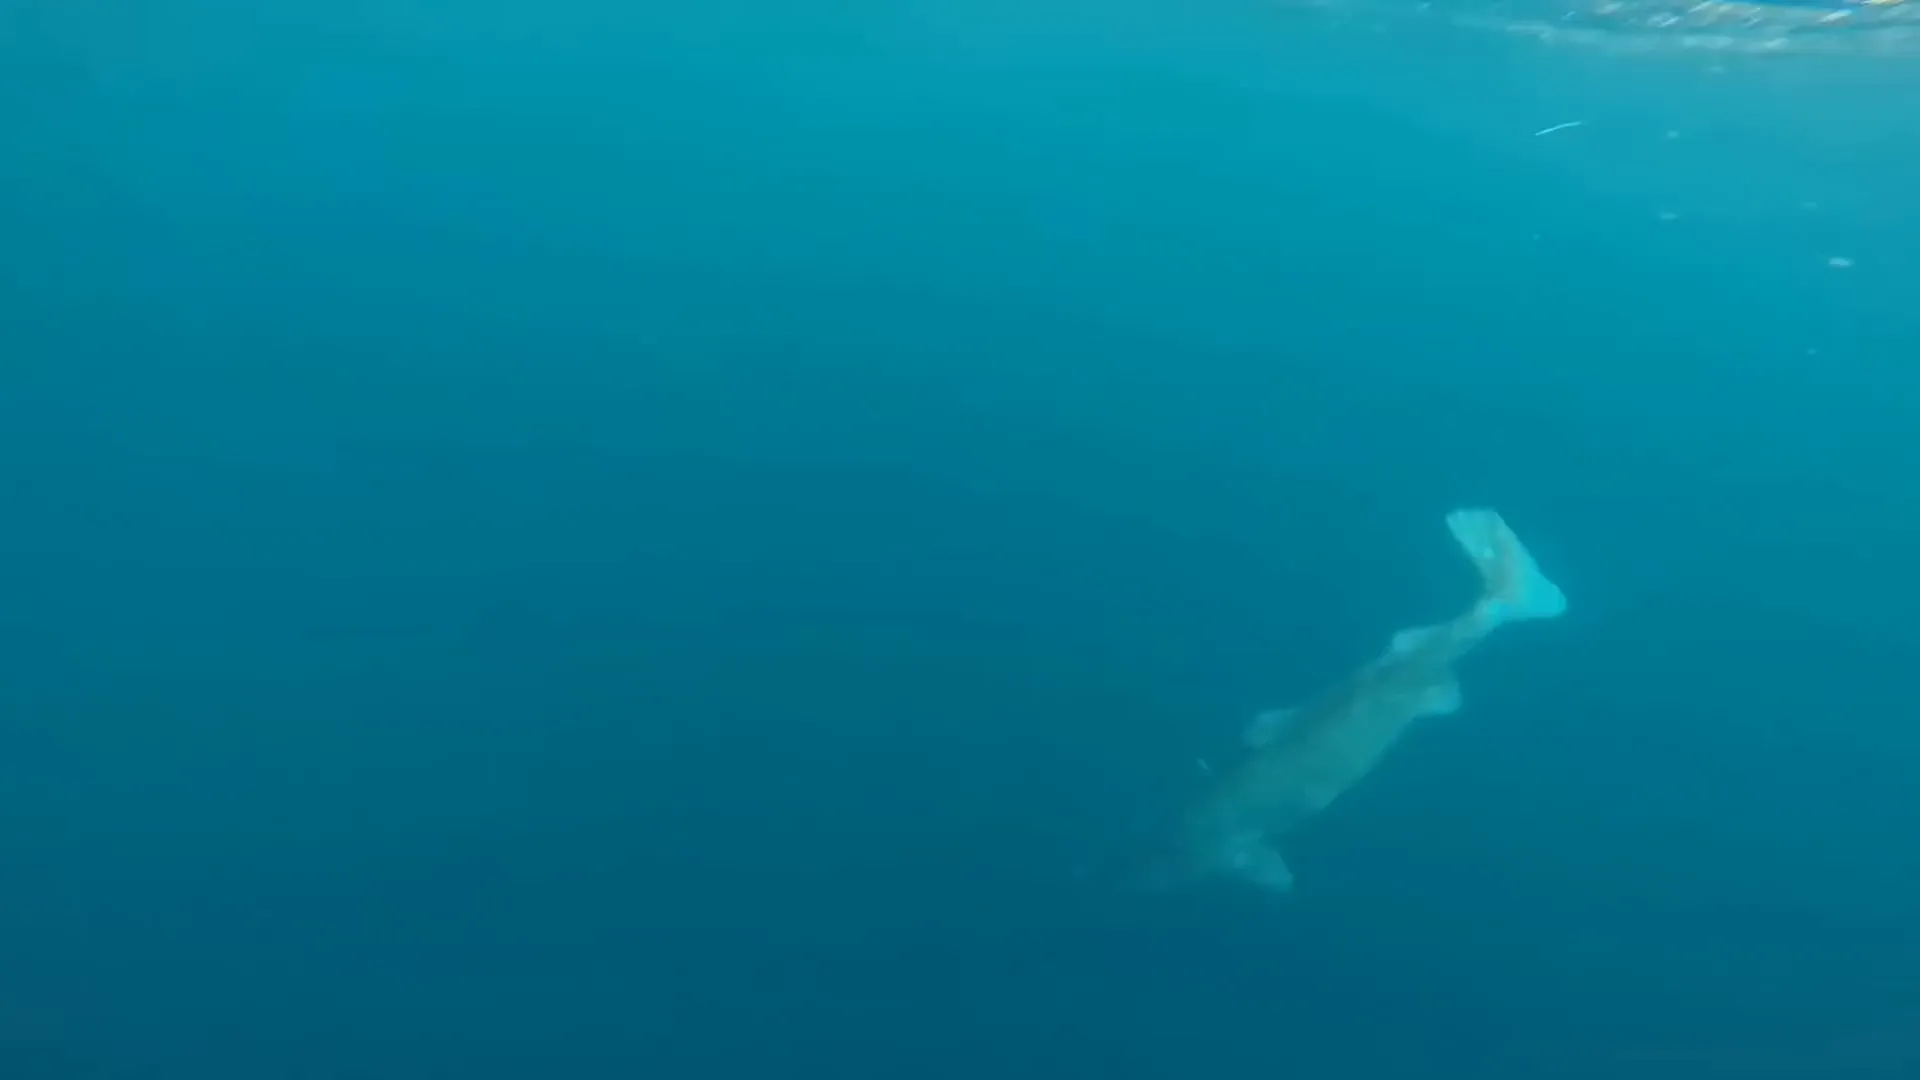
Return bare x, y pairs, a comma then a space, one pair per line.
1559, 127
1839, 262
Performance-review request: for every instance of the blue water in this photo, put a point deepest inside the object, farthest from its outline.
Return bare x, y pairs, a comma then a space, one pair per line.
544, 541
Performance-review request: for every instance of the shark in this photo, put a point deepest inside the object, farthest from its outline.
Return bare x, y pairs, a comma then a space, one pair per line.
1298, 761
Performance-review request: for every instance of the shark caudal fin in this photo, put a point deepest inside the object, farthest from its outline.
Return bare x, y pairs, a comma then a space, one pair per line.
1514, 586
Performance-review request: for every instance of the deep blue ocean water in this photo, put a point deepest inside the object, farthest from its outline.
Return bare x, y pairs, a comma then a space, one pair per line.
546, 541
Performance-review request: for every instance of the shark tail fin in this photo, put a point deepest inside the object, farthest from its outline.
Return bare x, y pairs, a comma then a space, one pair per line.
1514, 587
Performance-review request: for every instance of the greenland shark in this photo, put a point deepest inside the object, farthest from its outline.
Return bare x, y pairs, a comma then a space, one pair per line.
1299, 760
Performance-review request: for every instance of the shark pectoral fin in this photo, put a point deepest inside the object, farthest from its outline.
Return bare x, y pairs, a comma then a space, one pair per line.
1266, 727
1263, 866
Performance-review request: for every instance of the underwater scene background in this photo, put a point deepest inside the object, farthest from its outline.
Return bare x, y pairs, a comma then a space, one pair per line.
584, 541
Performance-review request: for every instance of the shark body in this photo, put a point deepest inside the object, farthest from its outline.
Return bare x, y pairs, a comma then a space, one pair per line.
1300, 760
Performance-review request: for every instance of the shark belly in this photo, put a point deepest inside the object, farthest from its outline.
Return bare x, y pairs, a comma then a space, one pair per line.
1309, 773
1290, 781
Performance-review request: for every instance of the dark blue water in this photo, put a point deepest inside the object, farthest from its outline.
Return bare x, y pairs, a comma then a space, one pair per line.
540, 541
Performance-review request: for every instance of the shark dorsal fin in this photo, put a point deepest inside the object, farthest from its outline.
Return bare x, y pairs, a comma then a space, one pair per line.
1266, 727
